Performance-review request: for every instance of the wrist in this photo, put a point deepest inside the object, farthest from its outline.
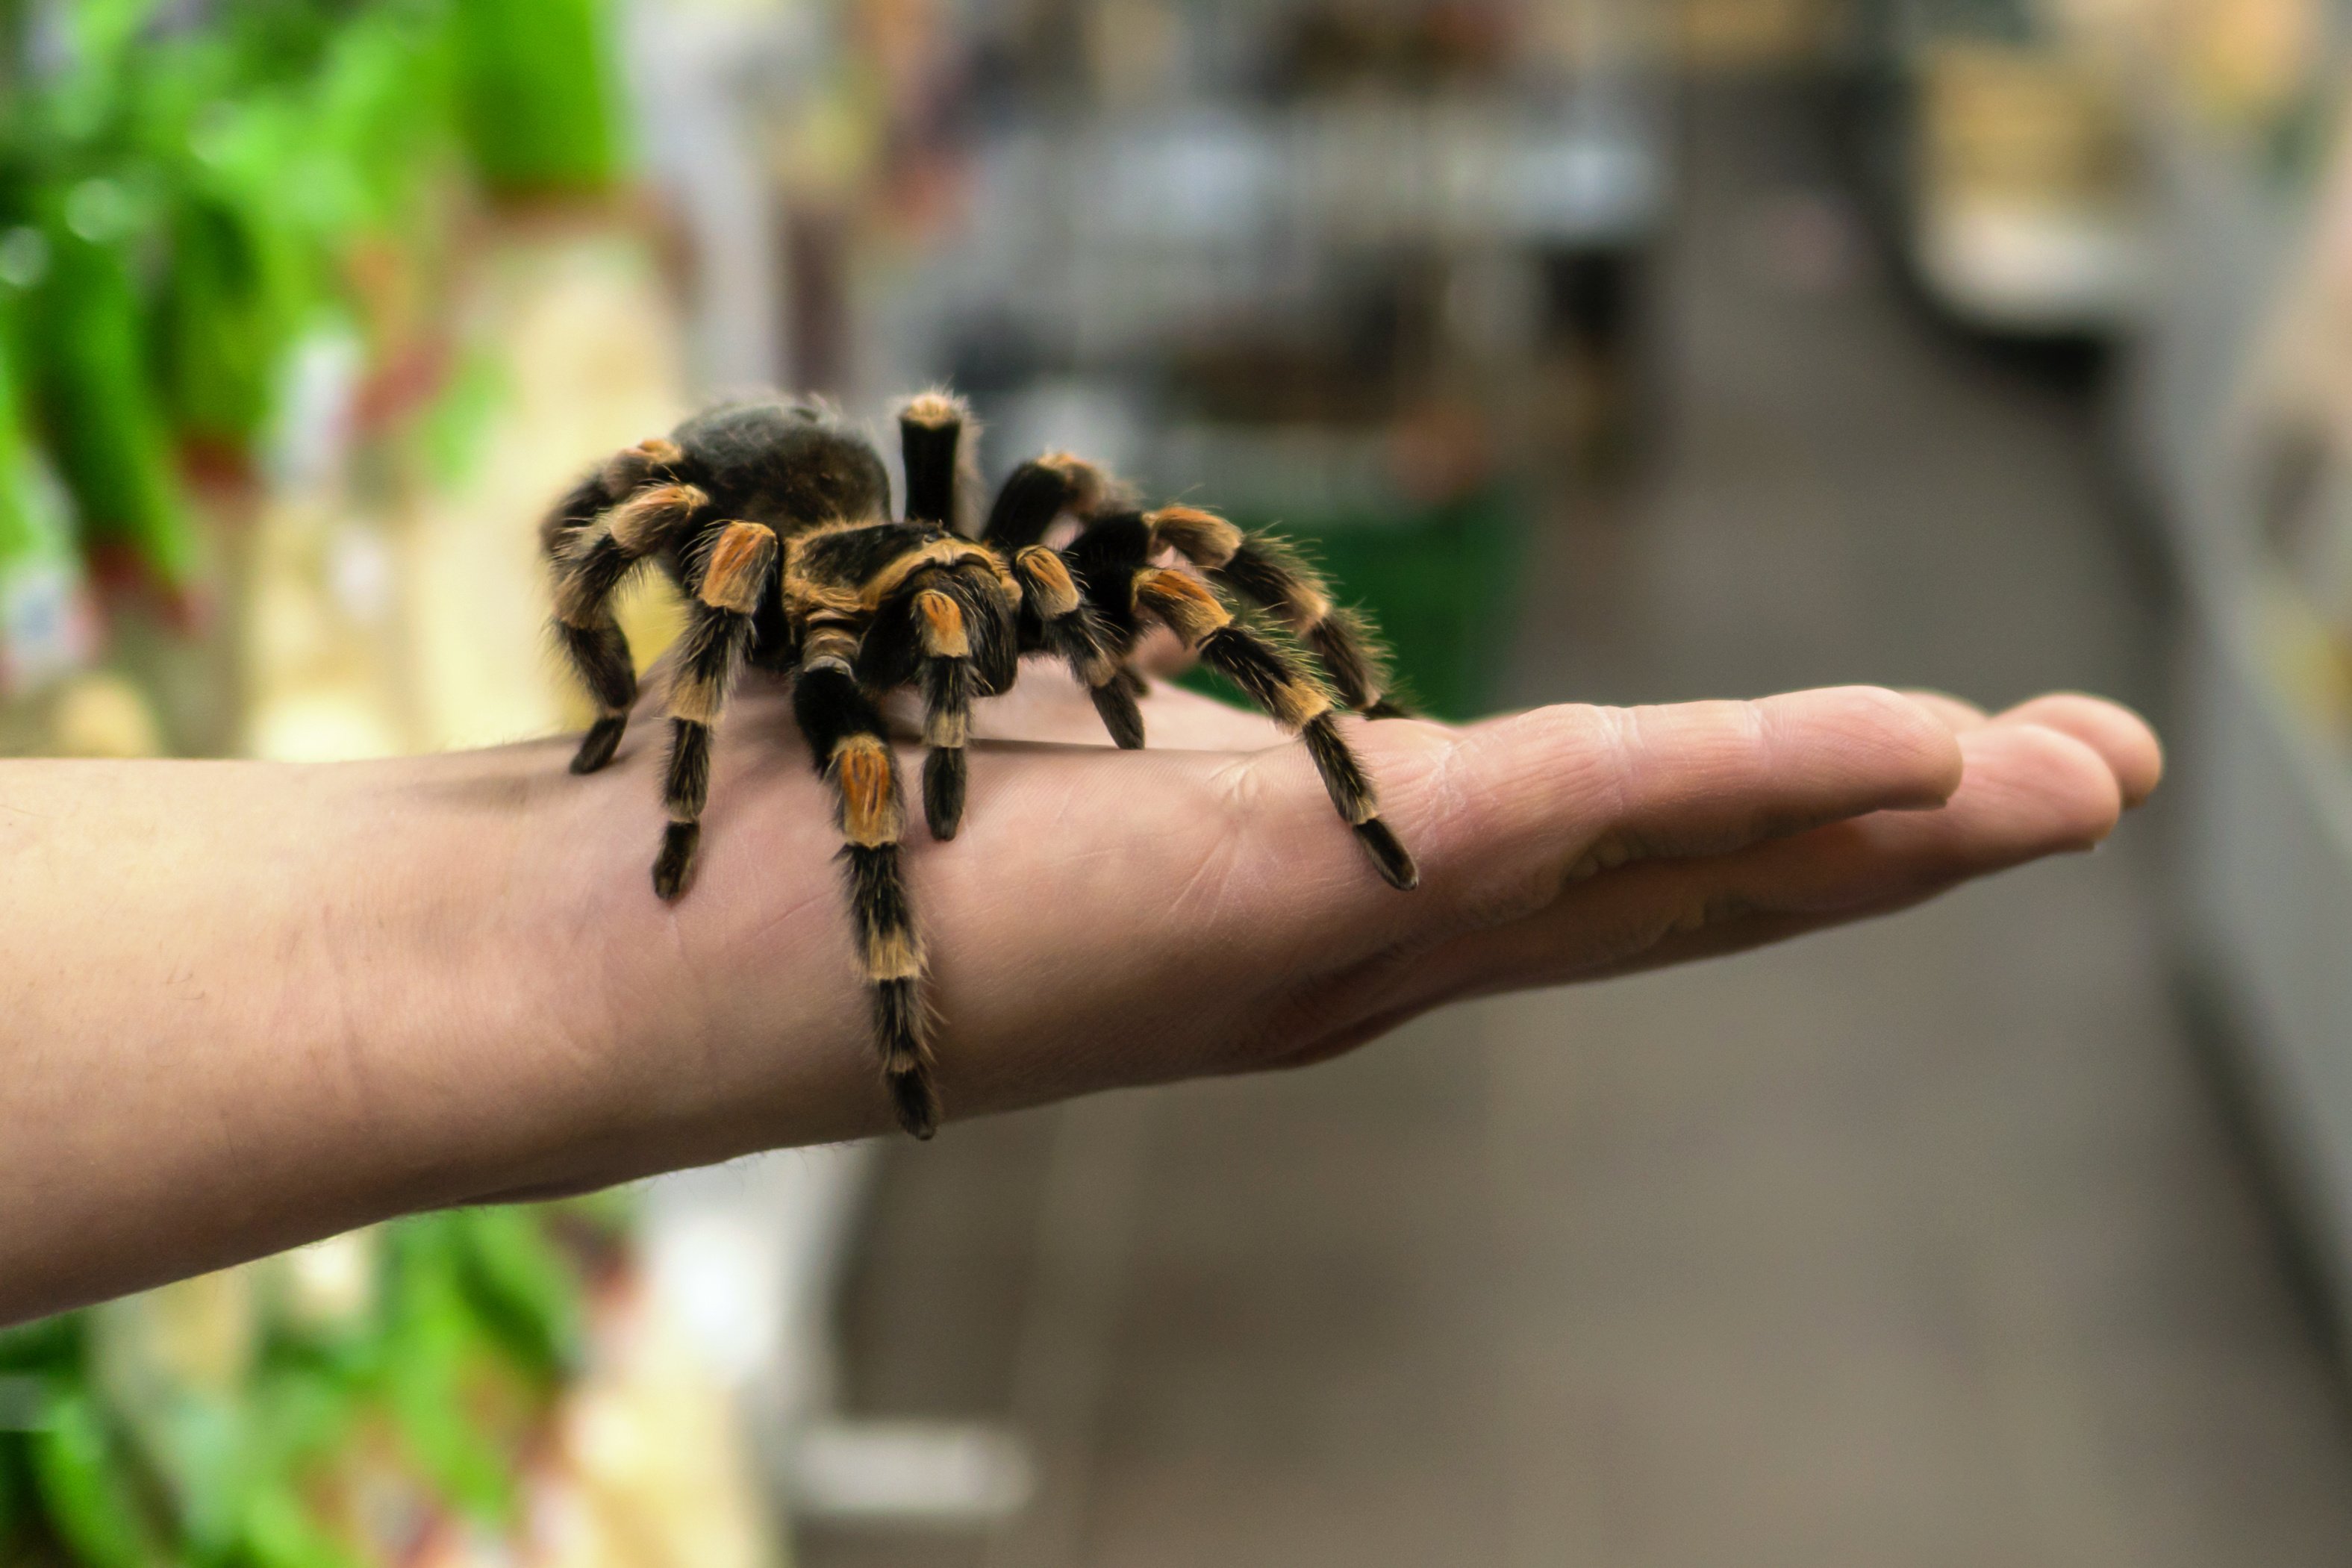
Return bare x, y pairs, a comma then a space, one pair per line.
443, 976
577, 1030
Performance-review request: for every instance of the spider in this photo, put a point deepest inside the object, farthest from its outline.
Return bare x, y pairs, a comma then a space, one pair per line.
773, 519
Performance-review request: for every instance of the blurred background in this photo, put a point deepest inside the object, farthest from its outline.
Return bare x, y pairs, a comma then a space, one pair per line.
1608, 350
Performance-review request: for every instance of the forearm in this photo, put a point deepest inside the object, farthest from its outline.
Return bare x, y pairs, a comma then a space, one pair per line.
242, 1006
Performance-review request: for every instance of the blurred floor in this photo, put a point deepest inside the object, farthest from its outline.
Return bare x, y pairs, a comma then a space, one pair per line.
1924, 1243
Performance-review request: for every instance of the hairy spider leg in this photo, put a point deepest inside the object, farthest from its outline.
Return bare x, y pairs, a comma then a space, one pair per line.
596, 538
627, 470
1103, 559
730, 575
1270, 574
990, 596
579, 508
846, 738
933, 445
965, 627
947, 707
1071, 629
1037, 493
1033, 497
1279, 683
966, 621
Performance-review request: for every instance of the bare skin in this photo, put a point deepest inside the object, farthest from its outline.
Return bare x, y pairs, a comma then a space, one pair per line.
244, 1005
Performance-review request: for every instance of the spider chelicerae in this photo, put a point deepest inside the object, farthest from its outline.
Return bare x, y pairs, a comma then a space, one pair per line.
773, 520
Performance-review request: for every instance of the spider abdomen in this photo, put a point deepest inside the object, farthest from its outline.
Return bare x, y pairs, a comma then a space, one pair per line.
793, 466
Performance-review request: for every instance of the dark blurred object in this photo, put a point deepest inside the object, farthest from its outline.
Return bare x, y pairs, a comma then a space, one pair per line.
1339, 46
1994, 137
1595, 336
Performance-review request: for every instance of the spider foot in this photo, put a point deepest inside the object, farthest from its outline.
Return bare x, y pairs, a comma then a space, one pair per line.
1121, 715
676, 862
1390, 857
905, 1060
916, 1102
944, 775
596, 747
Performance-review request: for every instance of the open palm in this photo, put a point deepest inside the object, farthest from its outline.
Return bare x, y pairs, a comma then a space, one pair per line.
1109, 918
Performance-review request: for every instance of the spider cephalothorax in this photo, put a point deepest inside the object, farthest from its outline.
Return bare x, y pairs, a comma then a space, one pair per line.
773, 519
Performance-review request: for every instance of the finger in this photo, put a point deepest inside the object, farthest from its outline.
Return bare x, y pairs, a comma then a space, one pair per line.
1957, 714
2027, 793
1893, 864
1517, 808
2114, 731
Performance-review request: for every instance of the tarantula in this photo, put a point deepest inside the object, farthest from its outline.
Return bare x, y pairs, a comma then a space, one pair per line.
773, 520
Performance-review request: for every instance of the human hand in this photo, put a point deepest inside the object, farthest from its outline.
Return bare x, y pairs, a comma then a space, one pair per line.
248, 1005
1109, 918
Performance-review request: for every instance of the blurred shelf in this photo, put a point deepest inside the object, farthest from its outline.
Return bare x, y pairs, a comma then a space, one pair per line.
2219, 408
1103, 237
2227, 232
2267, 864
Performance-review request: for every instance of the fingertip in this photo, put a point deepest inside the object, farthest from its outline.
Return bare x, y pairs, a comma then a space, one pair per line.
1916, 752
2121, 739
2058, 791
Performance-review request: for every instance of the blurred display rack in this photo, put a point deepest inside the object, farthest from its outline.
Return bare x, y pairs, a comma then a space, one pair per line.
1096, 241
1997, 142
1116, 232
2226, 233
2264, 785
2267, 846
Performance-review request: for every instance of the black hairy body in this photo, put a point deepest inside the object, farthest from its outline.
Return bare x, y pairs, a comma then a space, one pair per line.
774, 522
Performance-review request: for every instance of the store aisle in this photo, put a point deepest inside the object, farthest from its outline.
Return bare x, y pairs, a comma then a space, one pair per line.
1918, 1244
